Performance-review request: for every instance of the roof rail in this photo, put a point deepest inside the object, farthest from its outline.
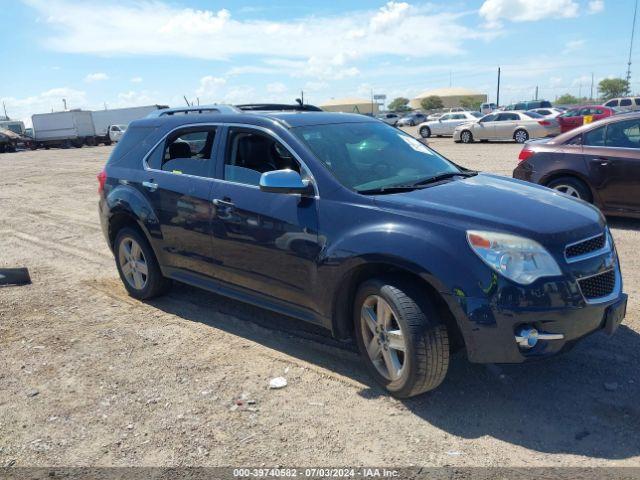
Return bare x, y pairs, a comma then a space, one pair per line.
282, 107
196, 109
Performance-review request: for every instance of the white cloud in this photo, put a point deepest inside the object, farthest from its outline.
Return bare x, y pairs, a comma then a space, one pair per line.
595, 6
493, 11
96, 77
136, 80
23, 108
210, 87
276, 87
573, 46
323, 46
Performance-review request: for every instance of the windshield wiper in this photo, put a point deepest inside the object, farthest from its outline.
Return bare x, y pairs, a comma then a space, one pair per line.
444, 176
419, 184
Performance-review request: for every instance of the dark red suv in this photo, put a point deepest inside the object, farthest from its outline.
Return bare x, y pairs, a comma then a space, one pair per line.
598, 162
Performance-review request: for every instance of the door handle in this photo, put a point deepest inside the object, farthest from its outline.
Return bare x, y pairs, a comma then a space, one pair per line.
602, 161
152, 187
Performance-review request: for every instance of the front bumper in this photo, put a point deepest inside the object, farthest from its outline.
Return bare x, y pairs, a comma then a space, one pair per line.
553, 308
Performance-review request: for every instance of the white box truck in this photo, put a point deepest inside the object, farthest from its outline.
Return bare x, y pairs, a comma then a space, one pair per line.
110, 124
63, 129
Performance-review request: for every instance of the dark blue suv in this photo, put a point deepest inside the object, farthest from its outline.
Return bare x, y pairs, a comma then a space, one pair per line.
353, 225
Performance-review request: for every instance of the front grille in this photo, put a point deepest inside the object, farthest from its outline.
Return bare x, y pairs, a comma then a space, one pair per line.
586, 246
598, 286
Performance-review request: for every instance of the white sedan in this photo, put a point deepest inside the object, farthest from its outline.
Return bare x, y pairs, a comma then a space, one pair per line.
550, 112
447, 123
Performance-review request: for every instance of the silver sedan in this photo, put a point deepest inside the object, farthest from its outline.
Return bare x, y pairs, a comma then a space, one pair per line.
518, 126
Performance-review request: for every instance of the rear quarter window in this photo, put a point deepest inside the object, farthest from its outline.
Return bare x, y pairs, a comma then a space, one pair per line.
133, 145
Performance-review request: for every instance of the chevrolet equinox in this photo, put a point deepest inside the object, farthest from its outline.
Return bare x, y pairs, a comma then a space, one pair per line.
353, 225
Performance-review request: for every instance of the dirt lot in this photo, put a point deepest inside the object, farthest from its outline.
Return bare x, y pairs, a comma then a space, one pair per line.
89, 376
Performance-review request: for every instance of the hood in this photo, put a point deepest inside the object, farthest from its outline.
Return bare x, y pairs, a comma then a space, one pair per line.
502, 204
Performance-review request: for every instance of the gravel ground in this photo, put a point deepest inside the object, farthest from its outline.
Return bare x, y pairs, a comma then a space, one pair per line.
90, 377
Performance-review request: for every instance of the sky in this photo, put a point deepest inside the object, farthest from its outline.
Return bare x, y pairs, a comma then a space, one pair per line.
119, 53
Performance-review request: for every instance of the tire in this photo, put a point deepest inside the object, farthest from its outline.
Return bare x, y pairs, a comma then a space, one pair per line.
520, 135
466, 136
138, 284
424, 362
571, 186
107, 143
425, 132
412, 123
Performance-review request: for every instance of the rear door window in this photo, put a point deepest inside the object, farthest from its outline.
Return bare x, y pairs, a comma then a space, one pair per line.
507, 117
611, 103
489, 118
188, 152
625, 102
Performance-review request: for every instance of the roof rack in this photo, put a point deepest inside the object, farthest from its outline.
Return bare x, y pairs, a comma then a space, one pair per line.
282, 107
196, 109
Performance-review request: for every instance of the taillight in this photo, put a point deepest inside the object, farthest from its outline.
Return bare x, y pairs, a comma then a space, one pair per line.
525, 154
102, 179
544, 123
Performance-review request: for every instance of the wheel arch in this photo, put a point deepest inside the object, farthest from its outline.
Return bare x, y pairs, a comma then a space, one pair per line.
344, 295
547, 179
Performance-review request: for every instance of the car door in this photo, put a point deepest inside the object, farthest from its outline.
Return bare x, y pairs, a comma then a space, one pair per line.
263, 242
455, 120
177, 182
612, 155
504, 125
484, 129
571, 119
440, 126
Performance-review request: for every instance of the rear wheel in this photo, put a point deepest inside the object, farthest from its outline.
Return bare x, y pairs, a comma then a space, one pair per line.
400, 337
521, 136
425, 132
466, 136
138, 267
571, 186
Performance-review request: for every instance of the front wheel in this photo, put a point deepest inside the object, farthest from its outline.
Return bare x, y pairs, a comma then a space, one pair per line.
425, 132
400, 337
138, 267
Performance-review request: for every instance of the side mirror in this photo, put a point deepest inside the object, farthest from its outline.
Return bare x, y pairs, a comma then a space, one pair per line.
284, 181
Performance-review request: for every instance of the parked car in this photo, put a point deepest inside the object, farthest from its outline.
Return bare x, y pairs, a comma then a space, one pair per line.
446, 124
412, 119
551, 112
389, 118
528, 105
624, 103
355, 226
488, 108
439, 113
116, 132
577, 116
598, 163
518, 126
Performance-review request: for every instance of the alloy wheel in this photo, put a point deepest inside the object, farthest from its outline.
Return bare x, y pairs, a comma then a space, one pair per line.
567, 190
465, 137
383, 337
521, 136
133, 263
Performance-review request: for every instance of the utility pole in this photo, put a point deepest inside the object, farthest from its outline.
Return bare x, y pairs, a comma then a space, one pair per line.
591, 93
64, 102
4, 107
301, 97
498, 91
536, 93
633, 30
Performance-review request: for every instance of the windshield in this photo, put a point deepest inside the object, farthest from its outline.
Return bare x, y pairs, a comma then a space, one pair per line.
366, 156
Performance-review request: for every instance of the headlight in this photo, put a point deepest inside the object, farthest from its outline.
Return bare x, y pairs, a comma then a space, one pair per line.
517, 258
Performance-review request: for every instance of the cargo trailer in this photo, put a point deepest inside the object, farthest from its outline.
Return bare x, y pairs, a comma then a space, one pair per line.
63, 129
103, 120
